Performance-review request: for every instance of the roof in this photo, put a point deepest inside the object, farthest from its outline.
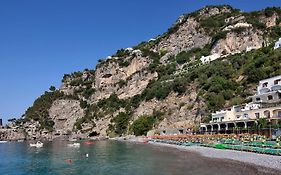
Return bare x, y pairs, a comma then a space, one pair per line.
270, 78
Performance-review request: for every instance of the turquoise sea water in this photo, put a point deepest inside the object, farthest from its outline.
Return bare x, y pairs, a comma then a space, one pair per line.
111, 158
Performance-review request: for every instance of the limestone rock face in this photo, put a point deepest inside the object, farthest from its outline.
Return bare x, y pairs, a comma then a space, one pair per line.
65, 113
108, 78
11, 134
212, 11
238, 42
136, 84
180, 111
188, 36
269, 21
102, 125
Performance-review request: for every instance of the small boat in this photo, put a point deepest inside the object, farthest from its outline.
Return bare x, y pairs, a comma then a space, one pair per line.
3, 141
37, 144
88, 143
68, 161
74, 145
72, 140
20, 140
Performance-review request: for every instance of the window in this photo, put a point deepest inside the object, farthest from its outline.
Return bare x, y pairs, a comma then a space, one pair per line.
266, 114
270, 97
265, 84
257, 115
277, 81
279, 114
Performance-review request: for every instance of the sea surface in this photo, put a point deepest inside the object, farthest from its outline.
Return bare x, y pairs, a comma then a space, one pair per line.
113, 158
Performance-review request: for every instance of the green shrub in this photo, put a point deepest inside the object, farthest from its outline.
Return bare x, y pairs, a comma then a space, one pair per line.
183, 57
145, 123
122, 53
39, 111
142, 125
124, 63
88, 92
111, 104
122, 83
275, 32
83, 104
215, 101
76, 82
121, 122
52, 88
269, 11
218, 36
255, 22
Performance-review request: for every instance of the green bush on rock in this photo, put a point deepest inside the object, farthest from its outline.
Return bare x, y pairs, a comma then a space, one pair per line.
145, 123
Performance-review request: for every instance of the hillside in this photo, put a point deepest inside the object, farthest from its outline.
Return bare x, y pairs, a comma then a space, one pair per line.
162, 83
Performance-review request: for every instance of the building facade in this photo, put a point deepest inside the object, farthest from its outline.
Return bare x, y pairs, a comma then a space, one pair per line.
265, 104
210, 58
268, 91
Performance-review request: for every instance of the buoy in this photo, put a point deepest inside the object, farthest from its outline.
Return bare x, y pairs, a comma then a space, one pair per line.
88, 143
87, 155
69, 161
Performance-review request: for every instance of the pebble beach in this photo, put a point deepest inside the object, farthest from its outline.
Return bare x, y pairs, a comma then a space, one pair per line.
268, 161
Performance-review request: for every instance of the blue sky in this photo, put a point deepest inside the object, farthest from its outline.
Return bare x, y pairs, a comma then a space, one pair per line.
41, 40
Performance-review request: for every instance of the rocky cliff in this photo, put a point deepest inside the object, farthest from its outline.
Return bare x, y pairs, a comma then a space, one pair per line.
12, 134
162, 82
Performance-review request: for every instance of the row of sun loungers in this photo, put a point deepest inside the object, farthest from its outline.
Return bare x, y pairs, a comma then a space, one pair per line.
249, 143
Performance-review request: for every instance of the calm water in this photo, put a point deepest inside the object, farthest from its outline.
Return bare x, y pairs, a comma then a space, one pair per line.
109, 157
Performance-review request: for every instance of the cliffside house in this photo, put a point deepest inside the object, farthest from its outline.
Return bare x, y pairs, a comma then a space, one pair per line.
277, 44
208, 59
265, 104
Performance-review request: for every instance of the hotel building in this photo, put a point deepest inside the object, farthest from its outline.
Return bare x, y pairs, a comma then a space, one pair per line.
265, 104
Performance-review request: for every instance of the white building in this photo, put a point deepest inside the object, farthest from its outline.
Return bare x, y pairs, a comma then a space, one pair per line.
238, 25
265, 104
268, 91
129, 49
277, 44
152, 39
269, 84
137, 52
209, 58
249, 48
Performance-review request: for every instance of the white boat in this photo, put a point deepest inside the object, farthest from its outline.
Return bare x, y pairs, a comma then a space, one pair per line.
3, 141
20, 140
37, 144
72, 140
74, 145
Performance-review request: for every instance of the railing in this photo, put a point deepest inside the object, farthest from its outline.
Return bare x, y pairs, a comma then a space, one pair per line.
270, 105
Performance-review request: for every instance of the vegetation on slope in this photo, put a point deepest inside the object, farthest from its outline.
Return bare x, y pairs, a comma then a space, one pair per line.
145, 123
222, 83
40, 109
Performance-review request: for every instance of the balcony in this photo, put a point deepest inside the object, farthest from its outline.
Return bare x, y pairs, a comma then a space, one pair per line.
276, 87
264, 90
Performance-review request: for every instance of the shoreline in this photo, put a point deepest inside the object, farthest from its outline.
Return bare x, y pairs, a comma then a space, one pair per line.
263, 160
